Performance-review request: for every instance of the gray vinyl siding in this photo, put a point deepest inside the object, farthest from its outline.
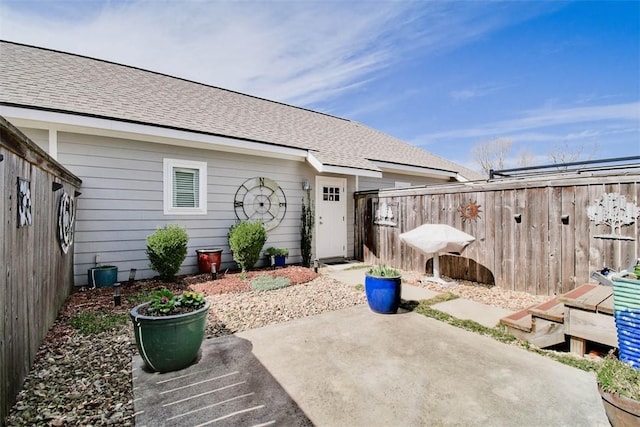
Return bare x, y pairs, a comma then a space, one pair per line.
39, 136
122, 200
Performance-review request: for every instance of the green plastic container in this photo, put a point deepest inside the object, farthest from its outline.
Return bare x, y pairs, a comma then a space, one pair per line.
169, 343
102, 277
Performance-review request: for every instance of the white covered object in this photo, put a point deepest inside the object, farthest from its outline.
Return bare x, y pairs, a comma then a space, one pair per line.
436, 238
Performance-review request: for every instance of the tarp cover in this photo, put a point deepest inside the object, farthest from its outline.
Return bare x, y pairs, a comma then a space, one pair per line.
434, 238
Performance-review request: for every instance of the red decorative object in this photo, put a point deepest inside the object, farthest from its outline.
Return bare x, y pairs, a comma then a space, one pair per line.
470, 211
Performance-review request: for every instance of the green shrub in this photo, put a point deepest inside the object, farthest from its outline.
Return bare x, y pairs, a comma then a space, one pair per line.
167, 249
246, 240
276, 251
266, 282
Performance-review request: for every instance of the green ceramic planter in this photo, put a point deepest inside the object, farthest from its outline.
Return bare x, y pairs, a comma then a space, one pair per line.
169, 343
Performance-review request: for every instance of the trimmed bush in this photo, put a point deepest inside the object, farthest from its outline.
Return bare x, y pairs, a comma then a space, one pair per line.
246, 240
167, 249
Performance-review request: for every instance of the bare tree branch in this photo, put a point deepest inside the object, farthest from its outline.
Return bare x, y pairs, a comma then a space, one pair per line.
491, 155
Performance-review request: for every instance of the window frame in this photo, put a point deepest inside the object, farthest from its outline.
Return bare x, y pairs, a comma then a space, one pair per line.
169, 165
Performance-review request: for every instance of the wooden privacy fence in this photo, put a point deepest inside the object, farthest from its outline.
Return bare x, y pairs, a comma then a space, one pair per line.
532, 234
36, 250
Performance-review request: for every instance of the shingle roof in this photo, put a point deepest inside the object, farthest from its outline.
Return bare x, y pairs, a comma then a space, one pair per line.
51, 80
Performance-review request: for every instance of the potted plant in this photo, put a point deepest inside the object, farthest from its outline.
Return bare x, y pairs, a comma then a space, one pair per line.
619, 387
277, 256
382, 286
102, 276
169, 329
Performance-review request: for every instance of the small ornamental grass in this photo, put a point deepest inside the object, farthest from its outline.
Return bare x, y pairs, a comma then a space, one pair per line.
383, 271
94, 322
265, 282
165, 303
615, 376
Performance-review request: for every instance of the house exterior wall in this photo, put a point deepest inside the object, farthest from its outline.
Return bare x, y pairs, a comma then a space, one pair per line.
122, 200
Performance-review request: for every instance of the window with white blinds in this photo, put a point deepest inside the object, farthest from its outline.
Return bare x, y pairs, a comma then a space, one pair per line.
185, 184
185, 188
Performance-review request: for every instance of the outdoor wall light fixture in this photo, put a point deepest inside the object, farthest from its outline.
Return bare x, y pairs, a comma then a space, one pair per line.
76, 193
55, 186
518, 218
306, 185
565, 219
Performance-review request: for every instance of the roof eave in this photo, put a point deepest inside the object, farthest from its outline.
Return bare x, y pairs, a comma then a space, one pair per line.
341, 170
23, 116
417, 170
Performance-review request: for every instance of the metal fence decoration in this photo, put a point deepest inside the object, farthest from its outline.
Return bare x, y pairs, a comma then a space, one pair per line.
25, 218
612, 209
66, 213
384, 214
471, 211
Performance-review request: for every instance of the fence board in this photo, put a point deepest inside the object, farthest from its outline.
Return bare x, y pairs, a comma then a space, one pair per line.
555, 226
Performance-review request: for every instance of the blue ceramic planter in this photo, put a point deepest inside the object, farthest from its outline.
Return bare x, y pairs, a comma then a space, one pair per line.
383, 293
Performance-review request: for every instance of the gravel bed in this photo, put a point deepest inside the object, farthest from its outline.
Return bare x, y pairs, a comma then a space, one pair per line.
248, 310
85, 380
480, 292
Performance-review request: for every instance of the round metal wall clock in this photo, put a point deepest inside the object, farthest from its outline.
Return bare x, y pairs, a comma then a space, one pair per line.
261, 199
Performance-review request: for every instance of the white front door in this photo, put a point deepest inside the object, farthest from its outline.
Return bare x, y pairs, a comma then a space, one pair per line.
331, 217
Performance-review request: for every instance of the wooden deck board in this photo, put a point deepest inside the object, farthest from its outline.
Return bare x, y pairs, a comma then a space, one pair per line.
606, 306
586, 297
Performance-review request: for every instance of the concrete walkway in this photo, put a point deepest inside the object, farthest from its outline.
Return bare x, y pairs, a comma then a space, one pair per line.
461, 308
353, 367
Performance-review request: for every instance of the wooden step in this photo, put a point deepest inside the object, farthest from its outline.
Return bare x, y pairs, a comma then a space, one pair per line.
520, 320
552, 310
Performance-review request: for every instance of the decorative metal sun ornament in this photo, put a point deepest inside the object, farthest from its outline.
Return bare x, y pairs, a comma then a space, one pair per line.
470, 211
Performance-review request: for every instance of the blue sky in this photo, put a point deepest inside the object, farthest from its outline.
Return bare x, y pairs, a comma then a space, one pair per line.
445, 76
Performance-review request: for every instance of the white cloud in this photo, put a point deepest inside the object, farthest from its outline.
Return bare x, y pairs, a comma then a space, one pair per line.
297, 52
628, 114
477, 91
